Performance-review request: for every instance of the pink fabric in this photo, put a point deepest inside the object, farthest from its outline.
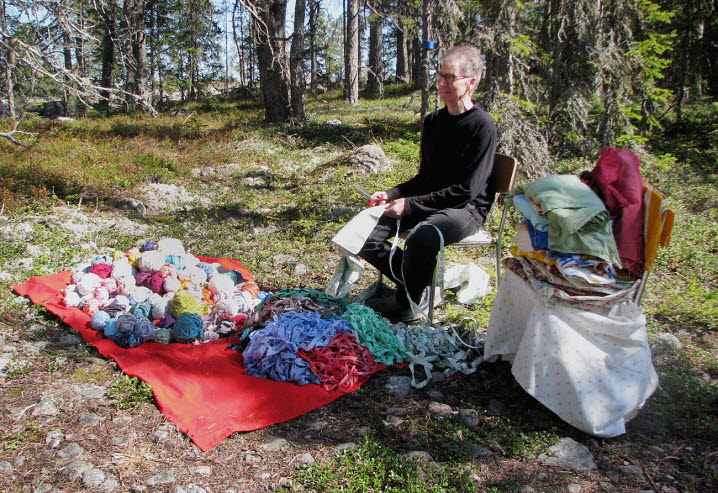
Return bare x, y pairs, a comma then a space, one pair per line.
617, 179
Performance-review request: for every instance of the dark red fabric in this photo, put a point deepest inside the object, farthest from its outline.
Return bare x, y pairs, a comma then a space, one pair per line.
617, 179
202, 389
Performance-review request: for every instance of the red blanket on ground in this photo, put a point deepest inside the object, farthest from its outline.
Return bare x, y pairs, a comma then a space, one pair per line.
202, 389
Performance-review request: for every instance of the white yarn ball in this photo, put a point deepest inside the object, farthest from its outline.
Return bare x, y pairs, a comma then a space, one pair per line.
222, 284
87, 283
151, 261
170, 246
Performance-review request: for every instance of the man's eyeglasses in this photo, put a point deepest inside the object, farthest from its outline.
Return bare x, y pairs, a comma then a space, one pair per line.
450, 78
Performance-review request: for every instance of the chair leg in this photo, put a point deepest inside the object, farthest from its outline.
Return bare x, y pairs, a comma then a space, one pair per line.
498, 263
379, 288
431, 297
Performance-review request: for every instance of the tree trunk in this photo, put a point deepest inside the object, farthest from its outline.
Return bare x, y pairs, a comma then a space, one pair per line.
296, 69
426, 37
402, 55
137, 57
9, 56
351, 52
108, 59
375, 68
272, 60
416, 63
314, 6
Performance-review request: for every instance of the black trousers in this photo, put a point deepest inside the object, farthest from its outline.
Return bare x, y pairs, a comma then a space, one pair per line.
414, 266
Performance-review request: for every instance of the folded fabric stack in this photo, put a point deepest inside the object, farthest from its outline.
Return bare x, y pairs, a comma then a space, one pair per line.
159, 292
564, 245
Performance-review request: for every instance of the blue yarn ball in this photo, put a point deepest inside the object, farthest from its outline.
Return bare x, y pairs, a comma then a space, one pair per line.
99, 320
175, 260
126, 322
101, 259
187, 328
111, 329
148, 245
142, 309
163, 336
145, 329
207, 268
128, 340
236, 276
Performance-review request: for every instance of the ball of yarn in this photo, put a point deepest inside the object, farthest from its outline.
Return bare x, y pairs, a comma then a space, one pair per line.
120, 302
175, 261
168, 270
101, 259
102, 270
91, 306
195, 291
184, 302
221, 284
189, 260
143, 309
194, 275
153, 282
235, 275
188, 327
87, 283
121, 269
139, 294
133, 256
78, 274
148, 246
110, 329
209, 336
209, 269
72, 298
128, 340
163, 335
126, 322
151, 261
99, 320
170, 246
102, 295
167, 321
145, 329
111, 286
160, 308
171, 284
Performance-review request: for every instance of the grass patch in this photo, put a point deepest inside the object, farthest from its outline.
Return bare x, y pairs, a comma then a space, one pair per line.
130, 393
375, 467
31, 434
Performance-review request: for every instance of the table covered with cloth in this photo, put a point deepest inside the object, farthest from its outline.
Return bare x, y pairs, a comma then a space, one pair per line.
592, 367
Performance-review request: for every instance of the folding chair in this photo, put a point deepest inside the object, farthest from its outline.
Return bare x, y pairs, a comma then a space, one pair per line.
503, 176
657, 226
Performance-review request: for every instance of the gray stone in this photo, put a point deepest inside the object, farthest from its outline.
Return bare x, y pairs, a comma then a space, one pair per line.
123, 441
44, 488
317, 426
165, 477
190, 488
398, 411
93, 478
393, 421
70, 452
574, 488
110, 484
339, 212
527, 489
440, 409
669, 340
474, 451
300, 269
5, 467
76, 469
346, 446
419, 456
252, 459
202, 470
70, 340
305, 458
274, 445
163, 432
569, 454
89, 419
468, 418
631, 470
398, 385
90, 391
265, 475
371, 157
363, 430
435, 395
45, 407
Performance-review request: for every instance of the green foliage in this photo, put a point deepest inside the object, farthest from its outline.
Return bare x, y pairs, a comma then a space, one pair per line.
130, 392
376, 467
31, 434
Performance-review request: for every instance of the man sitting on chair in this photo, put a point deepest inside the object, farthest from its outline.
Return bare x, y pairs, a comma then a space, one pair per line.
451, 193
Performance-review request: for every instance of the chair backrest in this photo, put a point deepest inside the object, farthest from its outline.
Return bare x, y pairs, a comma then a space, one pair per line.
504, 172
657, 226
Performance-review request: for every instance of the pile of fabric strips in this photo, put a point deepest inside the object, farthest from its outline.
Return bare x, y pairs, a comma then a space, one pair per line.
565, 244
157, 291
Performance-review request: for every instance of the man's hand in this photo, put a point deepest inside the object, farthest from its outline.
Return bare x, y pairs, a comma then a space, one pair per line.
396, 208
377, 198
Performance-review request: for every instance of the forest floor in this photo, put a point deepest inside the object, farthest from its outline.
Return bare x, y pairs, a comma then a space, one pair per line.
72, 422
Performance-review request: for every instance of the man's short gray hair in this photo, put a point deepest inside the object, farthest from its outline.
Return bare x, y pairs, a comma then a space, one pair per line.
472, 63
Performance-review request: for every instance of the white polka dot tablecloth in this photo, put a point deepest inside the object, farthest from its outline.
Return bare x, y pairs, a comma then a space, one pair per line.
592, 368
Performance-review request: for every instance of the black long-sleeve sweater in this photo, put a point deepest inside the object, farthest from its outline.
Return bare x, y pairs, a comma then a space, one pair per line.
457, 157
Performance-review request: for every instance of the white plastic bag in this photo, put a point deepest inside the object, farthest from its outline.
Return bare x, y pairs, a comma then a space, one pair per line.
471, 280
